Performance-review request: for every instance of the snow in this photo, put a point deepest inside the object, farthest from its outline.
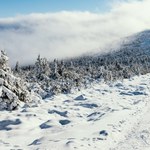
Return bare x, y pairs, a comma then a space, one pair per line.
105, 116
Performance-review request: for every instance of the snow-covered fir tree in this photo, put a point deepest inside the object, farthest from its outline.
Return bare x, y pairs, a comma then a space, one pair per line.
17, 67
12, 89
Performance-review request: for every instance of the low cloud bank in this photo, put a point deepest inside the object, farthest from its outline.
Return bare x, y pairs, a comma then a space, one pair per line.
68, 34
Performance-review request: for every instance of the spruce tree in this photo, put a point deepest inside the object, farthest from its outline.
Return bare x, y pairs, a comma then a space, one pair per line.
12, 89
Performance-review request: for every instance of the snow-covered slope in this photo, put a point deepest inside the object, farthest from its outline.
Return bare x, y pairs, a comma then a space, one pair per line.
103, 117
139, 43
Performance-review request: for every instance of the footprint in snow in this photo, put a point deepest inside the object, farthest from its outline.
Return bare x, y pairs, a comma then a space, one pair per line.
46, 125
86, 105
36, 142
81, 98
95, 116
67, 101
30, 115
5, 123
103, 134
69, 143
145, 136
61, 113
64, 122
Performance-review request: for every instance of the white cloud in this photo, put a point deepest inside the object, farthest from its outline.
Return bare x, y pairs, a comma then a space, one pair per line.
68, 34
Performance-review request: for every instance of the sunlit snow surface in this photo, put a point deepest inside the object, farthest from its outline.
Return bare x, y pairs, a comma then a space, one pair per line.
104, 117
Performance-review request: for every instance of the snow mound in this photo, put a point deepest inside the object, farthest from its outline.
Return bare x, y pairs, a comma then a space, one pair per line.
80, 98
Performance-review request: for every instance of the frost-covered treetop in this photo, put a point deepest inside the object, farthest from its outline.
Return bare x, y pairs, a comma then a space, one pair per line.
4, 61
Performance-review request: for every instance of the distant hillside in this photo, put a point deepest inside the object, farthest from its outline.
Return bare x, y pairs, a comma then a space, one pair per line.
132, 58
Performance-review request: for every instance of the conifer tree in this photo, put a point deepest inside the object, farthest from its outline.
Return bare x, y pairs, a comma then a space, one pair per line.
17, 68
12, 89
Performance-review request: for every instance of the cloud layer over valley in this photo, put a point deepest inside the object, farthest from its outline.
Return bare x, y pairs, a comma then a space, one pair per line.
68, 34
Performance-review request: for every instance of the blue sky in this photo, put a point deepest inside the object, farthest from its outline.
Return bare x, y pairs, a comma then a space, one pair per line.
10, 8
